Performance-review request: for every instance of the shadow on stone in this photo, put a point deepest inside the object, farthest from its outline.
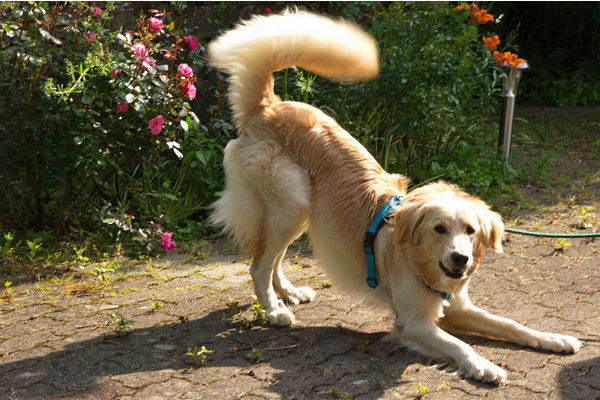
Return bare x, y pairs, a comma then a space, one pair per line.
305, 362
580, 380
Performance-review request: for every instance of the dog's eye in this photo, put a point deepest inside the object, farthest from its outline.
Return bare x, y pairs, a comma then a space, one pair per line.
470, 230
440, 229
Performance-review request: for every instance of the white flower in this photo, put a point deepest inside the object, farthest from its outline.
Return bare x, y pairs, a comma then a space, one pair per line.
175, 147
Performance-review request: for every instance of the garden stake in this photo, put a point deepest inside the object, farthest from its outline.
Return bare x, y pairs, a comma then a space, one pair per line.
510, 85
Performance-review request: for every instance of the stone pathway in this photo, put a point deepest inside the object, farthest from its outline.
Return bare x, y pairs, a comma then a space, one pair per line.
55, 342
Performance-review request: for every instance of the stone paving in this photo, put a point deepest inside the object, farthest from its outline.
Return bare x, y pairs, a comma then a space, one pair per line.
55, 342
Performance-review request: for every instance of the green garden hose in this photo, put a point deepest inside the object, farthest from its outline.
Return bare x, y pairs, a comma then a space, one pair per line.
553, 235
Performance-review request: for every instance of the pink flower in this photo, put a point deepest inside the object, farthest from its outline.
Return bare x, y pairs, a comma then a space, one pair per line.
139, 50
96, 11
156, 24
113, 73
185, 70
90, 36
121, 108
155, 124
166, 243
190, 90
267, 10
191, 42
148, 63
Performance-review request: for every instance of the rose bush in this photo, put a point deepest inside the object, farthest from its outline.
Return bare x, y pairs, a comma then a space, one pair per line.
99, 131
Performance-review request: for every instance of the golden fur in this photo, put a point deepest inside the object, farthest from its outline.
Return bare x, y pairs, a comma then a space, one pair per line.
293, 167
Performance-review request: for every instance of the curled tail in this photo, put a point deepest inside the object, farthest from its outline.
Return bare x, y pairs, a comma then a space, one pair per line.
252, 51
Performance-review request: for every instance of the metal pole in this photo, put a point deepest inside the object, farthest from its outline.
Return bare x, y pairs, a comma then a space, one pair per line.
509, 111
510, 85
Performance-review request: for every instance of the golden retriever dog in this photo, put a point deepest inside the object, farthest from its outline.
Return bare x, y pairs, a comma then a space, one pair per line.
293, 167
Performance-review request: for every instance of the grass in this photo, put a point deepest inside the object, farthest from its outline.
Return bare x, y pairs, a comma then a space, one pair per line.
554, 155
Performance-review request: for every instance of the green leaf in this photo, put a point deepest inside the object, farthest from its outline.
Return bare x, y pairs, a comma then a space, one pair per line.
85, 99
167, 196
202, 157
48, 36
195, 118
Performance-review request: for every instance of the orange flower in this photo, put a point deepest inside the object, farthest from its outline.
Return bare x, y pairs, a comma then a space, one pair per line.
481, 16
512, 60
491, 42
499, 57
471, 7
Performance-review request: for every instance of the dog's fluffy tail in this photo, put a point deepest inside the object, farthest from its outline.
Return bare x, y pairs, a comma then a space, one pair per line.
252, 51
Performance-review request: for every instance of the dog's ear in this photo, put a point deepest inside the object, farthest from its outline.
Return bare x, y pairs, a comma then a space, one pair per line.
492, 229
406, 223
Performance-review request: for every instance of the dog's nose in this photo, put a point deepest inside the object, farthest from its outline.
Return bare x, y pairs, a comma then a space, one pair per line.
459, 260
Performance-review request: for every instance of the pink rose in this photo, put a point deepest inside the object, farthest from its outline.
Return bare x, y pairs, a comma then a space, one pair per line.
267, 10
156, 24
155, 124
190, 90
185, 70
121, 108
113, 73
139, 50
90, 36
96, 11
148, 63
191, 42
166, 243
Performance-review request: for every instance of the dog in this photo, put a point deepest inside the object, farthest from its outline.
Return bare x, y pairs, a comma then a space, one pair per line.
293, 167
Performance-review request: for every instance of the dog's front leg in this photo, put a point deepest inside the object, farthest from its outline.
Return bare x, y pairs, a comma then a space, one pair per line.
463, 315
426, 337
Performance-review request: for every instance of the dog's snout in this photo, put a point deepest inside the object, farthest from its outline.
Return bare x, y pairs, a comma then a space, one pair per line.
459, 260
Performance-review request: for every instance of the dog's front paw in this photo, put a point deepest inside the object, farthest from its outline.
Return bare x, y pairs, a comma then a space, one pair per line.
281, 316
484, 370
555, 342
299, 295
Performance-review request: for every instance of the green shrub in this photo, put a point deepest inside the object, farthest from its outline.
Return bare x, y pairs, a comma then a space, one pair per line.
432, 102
98, 125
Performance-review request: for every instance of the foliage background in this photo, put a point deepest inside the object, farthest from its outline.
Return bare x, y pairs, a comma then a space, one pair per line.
560, 41
73, 167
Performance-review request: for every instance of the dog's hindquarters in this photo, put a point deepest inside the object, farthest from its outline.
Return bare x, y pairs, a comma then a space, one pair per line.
265, 207
266, 201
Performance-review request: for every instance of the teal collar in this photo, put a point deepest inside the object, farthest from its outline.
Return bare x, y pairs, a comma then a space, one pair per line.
378, 222
443, 295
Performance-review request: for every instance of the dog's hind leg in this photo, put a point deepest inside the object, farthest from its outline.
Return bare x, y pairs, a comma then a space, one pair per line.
284, 192
268, 278
262, 277
287, 291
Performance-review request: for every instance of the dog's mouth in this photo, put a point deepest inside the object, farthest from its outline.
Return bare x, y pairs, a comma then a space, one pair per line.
450, 274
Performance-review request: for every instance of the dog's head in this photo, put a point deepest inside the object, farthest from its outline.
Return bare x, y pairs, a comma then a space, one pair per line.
446, 232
